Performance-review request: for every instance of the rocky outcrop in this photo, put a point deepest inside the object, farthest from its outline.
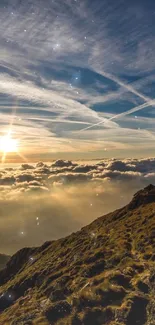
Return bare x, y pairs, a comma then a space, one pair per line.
145, 196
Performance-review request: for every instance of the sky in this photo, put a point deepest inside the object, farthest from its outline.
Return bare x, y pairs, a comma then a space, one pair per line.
77, 118
77, 79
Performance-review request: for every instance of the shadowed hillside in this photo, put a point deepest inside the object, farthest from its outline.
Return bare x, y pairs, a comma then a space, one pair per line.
3, 260
103, 274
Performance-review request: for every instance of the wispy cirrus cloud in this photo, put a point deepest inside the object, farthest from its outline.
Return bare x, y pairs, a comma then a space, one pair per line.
65, 65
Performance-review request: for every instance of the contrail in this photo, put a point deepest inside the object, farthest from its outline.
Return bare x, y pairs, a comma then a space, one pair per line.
9, 68
126, 86
135, 109
148, 101
132, 110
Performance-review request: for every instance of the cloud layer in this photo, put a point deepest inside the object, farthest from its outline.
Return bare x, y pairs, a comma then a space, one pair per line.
43, 202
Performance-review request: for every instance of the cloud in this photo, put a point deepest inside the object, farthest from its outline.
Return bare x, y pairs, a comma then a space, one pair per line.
63, 163
27, 166
43, 202
64, 65
68, 67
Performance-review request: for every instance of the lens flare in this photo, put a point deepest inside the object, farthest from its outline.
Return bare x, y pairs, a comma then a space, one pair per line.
8, 144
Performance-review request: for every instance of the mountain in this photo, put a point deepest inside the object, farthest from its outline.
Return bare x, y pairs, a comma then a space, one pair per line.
3, 260
103, 274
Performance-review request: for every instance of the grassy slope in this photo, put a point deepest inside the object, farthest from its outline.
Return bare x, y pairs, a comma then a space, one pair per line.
103, 274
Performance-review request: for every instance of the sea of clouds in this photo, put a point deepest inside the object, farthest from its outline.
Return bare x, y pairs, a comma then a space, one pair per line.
47, 201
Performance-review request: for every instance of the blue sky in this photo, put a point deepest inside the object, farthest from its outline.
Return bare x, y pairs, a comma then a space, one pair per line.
77, 77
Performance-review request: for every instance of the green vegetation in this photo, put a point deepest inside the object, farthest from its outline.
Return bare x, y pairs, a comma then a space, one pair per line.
103, 274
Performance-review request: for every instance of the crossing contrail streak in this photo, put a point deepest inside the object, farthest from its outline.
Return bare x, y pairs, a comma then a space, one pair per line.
132, 110
126, 86
148, 101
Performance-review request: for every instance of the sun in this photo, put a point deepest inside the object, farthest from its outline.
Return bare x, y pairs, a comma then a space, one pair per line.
8, 144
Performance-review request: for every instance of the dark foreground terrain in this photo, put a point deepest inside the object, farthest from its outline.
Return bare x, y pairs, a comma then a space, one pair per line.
3, 260
103, 274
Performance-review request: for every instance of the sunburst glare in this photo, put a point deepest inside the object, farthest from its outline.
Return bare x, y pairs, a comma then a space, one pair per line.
8, 144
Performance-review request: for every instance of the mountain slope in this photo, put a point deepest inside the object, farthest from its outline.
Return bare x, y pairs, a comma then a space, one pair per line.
3, 260
103, 274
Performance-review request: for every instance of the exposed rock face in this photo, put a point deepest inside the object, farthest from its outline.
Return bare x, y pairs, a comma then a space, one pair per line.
145, 196
103, 274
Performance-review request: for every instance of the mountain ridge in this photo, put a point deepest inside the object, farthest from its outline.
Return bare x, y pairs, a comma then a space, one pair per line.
103, 274
3, 260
